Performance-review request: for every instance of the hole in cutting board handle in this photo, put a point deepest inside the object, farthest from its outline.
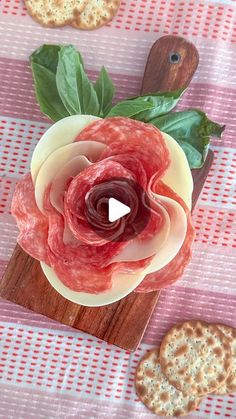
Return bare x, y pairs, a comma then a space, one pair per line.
170, 66
174, 57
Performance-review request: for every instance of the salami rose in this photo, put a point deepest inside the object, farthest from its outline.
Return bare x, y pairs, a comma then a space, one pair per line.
61, 206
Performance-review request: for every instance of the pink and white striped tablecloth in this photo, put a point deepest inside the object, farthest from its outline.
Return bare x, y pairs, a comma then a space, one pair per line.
48, 370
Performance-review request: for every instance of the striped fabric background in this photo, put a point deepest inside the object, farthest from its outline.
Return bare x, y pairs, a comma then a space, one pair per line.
48, 370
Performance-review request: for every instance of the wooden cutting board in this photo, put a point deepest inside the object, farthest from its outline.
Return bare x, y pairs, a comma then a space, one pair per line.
170, 66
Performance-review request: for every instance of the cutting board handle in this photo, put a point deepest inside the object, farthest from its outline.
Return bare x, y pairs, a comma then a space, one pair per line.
171, 65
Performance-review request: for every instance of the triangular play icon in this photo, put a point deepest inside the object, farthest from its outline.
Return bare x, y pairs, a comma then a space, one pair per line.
116, 209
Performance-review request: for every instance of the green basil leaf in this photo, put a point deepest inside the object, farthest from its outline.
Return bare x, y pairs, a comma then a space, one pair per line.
46, 56
162, 103
74, 87
43, 65
129, 108
46, 93
194, 157
193, 128
87, 95
105, 90
68, 66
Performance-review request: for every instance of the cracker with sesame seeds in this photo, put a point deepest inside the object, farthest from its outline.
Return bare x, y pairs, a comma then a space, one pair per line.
157, 393
96, 14
229, 385
196, 357
53, 13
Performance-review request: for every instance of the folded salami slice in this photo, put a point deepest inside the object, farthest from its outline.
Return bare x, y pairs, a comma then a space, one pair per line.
133, 138
33, 225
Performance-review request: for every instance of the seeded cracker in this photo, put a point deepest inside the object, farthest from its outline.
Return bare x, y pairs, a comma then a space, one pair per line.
97, 13
229, 385
157, 393
196, 357
53, 13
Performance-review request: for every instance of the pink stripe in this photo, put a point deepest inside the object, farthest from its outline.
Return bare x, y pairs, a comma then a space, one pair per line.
35, 402
179, 303
3, 265
216, 278
175, 304
44, 405
15, 313
18, 97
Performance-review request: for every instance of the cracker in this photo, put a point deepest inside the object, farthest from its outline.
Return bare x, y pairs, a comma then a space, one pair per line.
229, 385
196, 357
97, 13
157, 393
53, 13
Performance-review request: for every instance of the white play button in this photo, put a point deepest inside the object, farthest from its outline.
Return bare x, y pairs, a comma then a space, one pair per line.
116, 210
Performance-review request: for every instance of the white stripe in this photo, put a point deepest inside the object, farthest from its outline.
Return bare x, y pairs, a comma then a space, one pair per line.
227, 2
61, 406
73, 357
110, 49
216, 278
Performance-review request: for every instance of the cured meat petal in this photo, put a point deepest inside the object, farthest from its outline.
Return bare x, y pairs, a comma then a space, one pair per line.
81, 277
132, 164
33, 225
171, 272
75, 200
135, 138
61, 157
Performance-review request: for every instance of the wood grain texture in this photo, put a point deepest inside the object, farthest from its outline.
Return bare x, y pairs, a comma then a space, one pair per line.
161, 73
122, 323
